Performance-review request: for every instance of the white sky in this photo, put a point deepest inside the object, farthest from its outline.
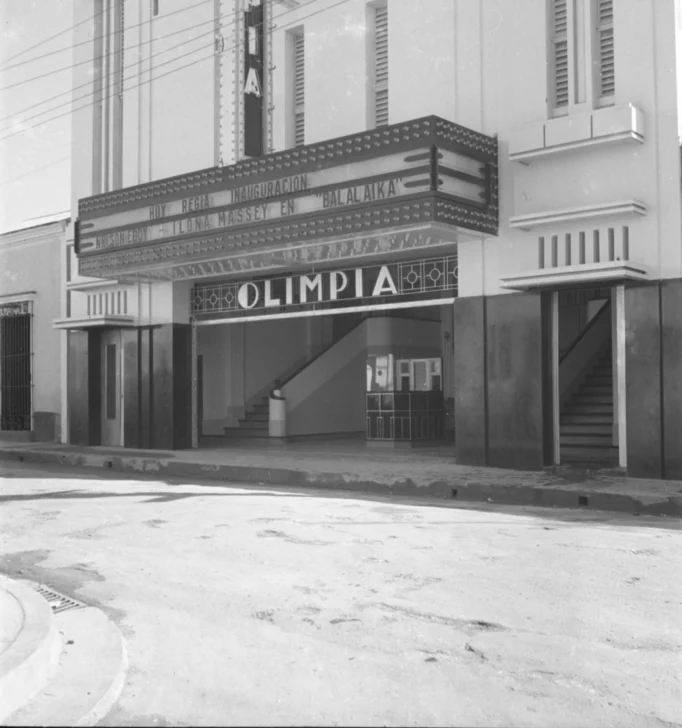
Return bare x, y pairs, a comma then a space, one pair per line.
35, 166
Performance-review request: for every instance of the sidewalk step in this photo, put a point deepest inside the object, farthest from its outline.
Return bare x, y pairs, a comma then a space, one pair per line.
262, 466
89, 678
586, 418
602, 456
29, 660
237, 432
256, 417
253, 424
586, 429
590, 441
590, 388
589, 398
584, 408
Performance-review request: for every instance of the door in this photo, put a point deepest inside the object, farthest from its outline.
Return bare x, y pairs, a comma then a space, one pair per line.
112, 390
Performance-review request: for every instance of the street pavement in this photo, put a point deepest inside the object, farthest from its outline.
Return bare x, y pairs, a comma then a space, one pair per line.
265, 606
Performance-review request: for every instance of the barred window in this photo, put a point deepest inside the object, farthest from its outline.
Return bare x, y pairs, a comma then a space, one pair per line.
15, 365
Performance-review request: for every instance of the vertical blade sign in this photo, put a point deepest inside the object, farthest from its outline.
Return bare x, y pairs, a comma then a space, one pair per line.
254, 20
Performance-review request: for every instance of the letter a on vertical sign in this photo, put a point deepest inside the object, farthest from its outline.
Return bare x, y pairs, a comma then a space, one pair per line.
254, 77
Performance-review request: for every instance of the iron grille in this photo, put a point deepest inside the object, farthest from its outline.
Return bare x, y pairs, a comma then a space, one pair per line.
15, 366
58, 602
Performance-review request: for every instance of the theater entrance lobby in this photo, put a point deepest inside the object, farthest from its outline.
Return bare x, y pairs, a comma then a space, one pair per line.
366, 362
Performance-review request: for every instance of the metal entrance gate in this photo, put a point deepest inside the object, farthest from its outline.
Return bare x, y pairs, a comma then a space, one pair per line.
15, 365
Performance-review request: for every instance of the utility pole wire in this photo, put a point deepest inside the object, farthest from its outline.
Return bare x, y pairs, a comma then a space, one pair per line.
168, 73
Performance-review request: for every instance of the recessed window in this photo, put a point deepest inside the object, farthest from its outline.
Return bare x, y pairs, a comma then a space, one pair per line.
581, 55
296, 74
379, 57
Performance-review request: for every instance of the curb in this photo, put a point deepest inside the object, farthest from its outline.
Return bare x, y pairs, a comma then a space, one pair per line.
108, 700
89, 679
454, 489
29, 663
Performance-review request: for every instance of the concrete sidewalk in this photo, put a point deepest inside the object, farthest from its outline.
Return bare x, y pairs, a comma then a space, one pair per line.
351, 466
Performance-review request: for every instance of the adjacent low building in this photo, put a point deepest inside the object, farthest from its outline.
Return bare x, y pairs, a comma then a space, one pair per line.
30, 364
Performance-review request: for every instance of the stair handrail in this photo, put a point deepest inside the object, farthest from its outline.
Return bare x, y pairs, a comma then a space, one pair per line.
586, 330
284, 382
578, 362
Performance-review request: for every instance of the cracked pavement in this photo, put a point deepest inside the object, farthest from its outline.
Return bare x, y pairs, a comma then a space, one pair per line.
269, 606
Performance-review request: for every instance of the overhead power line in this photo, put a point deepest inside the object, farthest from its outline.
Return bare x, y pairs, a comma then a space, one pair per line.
47, 40
33, 171
99, 37
125, 68
175, 70
89, 60
71, 90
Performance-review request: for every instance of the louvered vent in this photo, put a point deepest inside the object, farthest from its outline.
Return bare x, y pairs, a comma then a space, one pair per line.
381, 66
607, 81
560, 41
299, 89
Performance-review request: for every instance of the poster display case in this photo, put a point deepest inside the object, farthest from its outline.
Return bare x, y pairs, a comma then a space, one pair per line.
404, 399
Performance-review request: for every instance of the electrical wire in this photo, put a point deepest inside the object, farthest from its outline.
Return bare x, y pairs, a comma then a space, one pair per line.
163, 75
88, 83
89, 60
100, 37
33, 171
47, 40
135, 63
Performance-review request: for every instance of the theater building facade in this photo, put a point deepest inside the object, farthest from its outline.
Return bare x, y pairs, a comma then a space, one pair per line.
344, 223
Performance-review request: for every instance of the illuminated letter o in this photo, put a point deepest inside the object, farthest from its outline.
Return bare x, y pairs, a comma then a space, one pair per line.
243, 295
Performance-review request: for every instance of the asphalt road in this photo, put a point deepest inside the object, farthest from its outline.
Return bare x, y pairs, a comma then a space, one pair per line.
247, 606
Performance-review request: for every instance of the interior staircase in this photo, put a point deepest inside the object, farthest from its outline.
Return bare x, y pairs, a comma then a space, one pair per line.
586, 424
254, 423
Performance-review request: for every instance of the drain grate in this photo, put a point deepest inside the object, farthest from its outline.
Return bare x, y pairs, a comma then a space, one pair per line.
57, 601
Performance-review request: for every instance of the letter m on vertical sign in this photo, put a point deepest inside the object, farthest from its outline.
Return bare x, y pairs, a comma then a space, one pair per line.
254, 77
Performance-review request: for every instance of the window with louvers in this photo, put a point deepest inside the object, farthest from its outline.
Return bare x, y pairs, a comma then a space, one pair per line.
381, 65
299, 89
607, 81
560, 53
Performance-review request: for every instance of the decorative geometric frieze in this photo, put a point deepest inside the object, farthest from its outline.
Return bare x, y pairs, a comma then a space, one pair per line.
417, 278
355, 248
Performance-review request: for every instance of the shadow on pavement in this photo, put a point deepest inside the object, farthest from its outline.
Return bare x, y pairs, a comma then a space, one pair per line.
213, 488
155, 497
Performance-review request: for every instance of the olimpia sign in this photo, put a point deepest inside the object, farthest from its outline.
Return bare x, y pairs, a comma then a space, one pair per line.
370, 286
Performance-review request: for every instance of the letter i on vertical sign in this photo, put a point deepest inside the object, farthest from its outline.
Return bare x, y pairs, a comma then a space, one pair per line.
254, 78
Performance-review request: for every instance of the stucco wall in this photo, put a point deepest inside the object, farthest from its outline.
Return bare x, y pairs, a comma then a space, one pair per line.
463, 61
22, 277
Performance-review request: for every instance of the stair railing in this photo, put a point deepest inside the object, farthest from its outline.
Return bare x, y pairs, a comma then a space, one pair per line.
322, 352
584, 352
